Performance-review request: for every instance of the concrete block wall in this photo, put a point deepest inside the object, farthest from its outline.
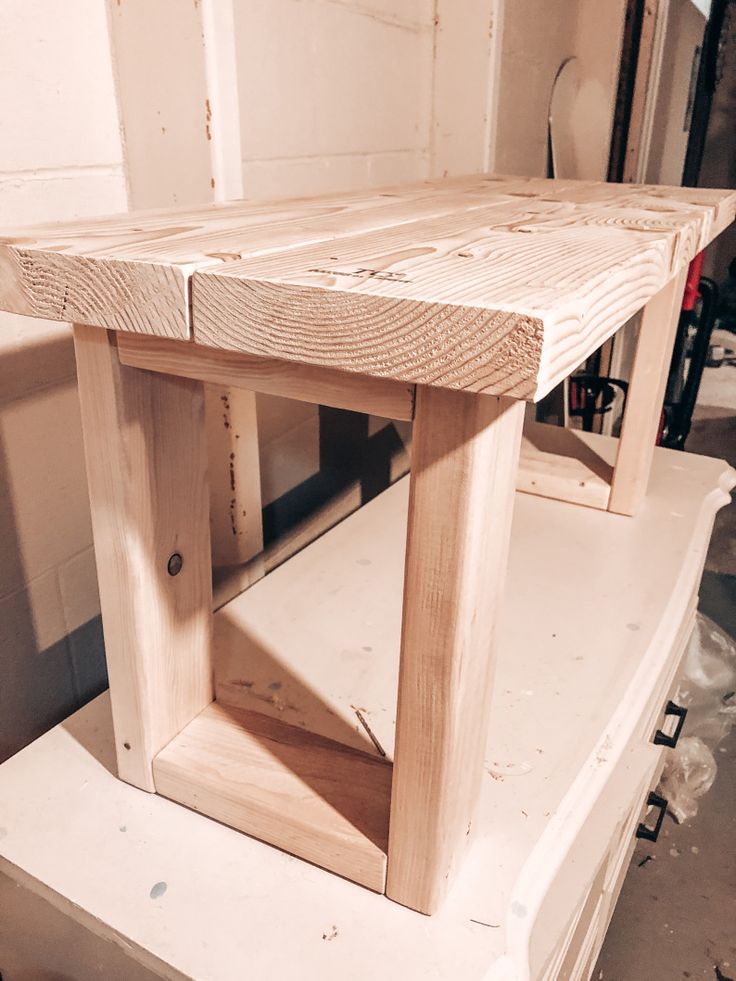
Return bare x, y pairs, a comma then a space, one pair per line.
339, 94
333, 95
60, 157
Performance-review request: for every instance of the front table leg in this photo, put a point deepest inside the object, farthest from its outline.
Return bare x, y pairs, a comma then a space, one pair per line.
146, 452
464, 466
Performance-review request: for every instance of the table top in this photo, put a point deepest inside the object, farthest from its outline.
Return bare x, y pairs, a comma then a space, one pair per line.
487, 283
193, 898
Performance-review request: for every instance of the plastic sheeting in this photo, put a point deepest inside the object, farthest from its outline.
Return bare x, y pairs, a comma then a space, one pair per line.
708, 691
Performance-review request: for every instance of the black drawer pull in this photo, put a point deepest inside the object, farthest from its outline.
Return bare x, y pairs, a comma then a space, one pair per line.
651, 834
661, 738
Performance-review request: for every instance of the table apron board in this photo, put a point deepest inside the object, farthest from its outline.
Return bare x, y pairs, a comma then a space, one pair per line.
553, 462
383, 397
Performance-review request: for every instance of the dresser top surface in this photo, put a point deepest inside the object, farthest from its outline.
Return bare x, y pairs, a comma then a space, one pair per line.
564, 712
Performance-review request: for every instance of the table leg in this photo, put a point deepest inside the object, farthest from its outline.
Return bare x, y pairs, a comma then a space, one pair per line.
236, 526
646, 394
146, 452
465, 456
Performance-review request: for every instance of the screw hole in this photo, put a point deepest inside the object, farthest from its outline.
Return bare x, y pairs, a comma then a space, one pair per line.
126, 745
174, 564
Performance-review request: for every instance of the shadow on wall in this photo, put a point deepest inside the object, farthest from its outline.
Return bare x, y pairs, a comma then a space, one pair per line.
51, 649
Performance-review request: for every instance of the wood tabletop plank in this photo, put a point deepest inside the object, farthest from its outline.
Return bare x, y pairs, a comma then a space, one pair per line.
132, 272
489, 283
505, 300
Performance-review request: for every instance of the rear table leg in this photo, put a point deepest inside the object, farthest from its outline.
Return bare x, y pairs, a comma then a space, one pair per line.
646, 394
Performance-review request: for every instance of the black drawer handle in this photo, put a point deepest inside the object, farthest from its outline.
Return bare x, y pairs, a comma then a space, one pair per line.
661, 738
651, 834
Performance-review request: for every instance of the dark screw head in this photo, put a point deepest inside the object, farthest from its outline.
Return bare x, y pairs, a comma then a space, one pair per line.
174, 564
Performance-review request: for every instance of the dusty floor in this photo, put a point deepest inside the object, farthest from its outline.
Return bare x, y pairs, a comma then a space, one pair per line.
676, 917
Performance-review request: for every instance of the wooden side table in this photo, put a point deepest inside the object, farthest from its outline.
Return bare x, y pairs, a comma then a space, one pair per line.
449, 303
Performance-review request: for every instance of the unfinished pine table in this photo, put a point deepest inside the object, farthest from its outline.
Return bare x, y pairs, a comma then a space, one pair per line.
449, 303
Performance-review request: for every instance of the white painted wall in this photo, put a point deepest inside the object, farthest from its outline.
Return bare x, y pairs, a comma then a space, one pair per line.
60, 157
333, 95
341, 94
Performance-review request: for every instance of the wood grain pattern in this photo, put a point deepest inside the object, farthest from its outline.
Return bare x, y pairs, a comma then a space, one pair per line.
645, 396
236, 527
465, 454
505, 300
555, 462
146, 453
342, 390
493, 284
307, 795
121, 295
132, 272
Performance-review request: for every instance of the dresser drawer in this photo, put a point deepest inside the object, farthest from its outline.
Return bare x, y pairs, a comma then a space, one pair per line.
665, 690
578, 901
590, 921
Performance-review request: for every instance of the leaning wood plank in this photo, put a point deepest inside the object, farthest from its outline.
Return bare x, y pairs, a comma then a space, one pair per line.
146, 458
307, 795
340, 389
505, 300
646, 87
464, 462
645, 396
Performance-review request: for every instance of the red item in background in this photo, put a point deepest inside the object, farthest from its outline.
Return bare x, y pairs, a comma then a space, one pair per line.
692, 282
